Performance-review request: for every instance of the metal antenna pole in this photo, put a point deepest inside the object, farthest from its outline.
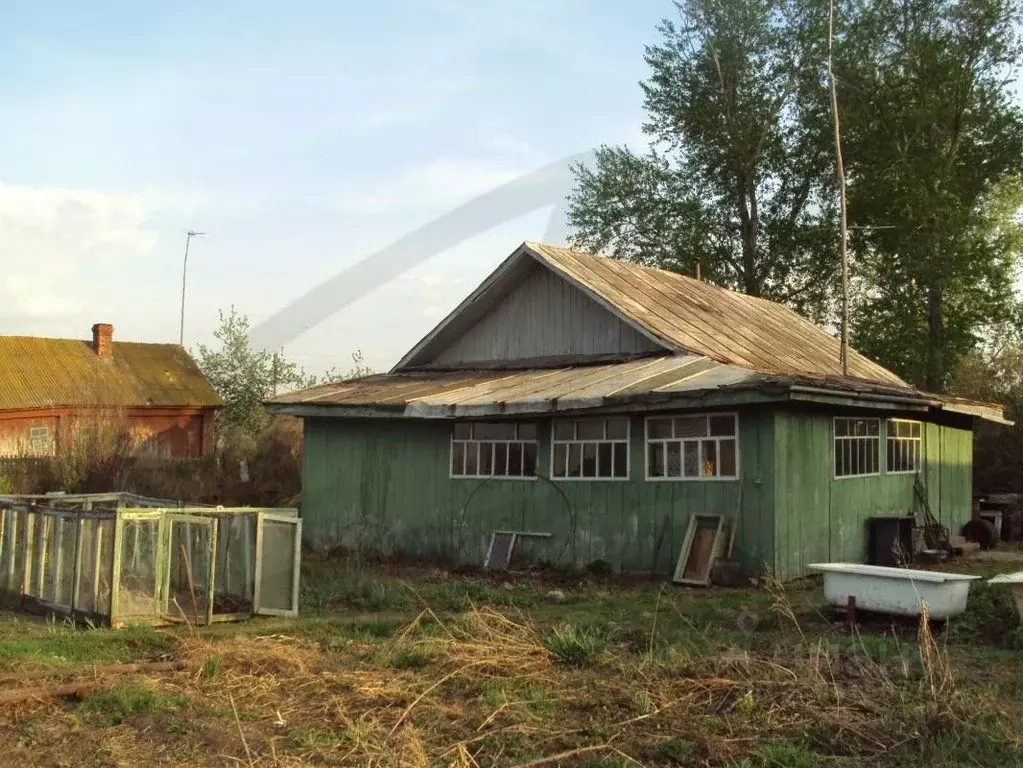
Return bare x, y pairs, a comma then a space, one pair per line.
184, 271
844, 235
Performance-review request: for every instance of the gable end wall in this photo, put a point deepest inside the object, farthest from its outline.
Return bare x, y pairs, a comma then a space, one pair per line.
544, 316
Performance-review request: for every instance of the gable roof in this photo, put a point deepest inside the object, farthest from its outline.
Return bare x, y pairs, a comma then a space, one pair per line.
681, 314
44, 373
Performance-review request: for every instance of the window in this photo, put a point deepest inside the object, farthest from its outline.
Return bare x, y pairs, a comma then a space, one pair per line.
591, 449
904, 442
493, 449
39, 439
692, 447
857, 446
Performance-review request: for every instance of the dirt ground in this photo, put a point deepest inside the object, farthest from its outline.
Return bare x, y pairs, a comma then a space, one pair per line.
417, 666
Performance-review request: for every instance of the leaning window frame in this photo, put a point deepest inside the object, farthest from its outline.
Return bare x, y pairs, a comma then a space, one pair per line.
918, 440
881, 445
535, 441
628, 449
717, 438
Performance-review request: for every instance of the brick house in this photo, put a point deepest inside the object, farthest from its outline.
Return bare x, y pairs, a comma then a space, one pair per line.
50, 389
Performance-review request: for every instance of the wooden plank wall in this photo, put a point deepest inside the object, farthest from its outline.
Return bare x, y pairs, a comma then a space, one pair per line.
544, 316
821, 517
385, 485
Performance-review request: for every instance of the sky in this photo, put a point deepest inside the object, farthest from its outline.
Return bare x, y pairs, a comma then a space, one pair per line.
301, 137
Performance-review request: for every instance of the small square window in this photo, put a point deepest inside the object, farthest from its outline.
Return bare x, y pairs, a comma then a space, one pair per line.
564, 430
462, 430
590, 430
691, 426
659, 429
722, 426
617, 429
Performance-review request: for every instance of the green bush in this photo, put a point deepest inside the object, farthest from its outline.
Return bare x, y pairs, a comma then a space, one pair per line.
576, 646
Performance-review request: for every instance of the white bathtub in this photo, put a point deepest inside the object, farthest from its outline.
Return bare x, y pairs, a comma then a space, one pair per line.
1015, 582
895, 590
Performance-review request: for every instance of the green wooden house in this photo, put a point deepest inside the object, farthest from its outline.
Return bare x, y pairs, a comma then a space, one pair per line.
604, 403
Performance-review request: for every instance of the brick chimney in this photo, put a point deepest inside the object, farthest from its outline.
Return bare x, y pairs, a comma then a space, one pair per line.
103, 339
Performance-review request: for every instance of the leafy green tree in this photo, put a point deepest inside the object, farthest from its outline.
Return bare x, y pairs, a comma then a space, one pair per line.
245, 377
739, 175
934, 143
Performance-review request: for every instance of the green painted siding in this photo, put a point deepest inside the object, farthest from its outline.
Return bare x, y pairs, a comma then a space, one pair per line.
385, 485
821, 517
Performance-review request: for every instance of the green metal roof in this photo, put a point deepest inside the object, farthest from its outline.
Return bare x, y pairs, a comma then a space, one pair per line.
45, 373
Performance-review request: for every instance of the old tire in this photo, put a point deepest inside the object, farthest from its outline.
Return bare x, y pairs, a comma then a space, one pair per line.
980, 531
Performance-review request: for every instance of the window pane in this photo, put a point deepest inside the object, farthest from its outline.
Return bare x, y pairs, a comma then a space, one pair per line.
529, 459
527, 431
621, 459
590, 430
655, 460
514, 458
484, 430
728, 458
691, 426
873, 427
617, 429
841, 427
709, 458
589, 460
560, 457
486, 459
674, 462
463, 430
457, 458
692, 458
722, 425
917, 429
893, 458
564, 430
604, 451
659, 428
575, 460
471, 463
501, 458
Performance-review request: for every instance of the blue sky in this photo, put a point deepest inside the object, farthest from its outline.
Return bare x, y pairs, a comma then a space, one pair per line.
301, 136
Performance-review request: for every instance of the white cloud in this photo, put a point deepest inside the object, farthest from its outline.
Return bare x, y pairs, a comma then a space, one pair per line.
49, 237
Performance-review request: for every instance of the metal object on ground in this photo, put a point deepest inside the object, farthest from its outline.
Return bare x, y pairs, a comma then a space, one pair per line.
502, 545
900, 591
890, 540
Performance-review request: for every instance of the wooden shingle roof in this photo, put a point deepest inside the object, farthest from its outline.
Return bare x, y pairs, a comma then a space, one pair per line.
701, 318
680, 314
46, 373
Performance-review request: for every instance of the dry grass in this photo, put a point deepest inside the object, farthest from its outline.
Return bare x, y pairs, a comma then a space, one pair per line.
482, 689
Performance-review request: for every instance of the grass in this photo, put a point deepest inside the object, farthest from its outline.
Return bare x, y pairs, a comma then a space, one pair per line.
417, 667
111, 707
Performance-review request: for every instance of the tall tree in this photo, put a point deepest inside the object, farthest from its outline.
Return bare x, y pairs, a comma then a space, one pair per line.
739, 174
932, 138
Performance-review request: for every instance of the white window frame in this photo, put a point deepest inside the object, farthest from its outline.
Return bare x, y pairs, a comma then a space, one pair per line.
919, 441
834, 445
493, 442
716, 438
628, 448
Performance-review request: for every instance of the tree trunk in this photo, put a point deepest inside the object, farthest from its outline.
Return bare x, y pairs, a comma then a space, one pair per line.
934, 379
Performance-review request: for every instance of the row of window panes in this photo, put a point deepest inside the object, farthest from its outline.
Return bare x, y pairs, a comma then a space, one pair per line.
691, 458
487, 458
595, 460
858, 441
663, 428
591, 448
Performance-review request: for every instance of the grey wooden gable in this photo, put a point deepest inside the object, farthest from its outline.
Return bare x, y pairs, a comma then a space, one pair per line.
526, 311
